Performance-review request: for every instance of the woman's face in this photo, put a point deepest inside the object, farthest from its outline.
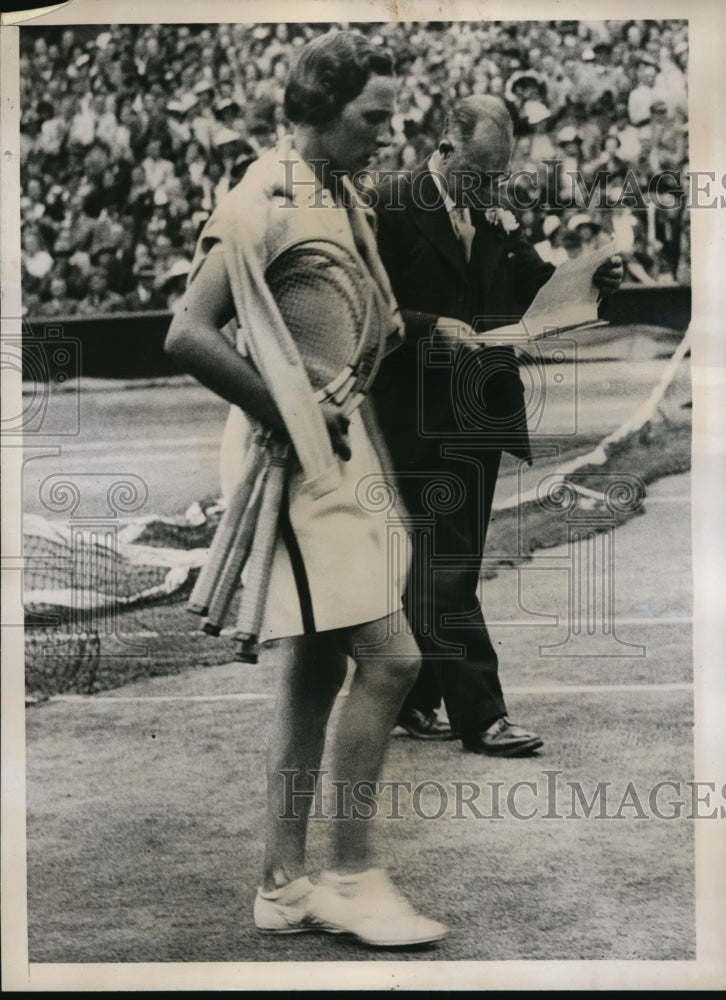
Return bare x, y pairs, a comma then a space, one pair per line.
361, 128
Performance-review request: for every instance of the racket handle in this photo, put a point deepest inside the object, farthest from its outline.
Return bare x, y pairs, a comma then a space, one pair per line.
259, 565
229, 578
224, 536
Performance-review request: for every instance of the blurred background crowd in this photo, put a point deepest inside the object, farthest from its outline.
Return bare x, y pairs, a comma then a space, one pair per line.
130, 134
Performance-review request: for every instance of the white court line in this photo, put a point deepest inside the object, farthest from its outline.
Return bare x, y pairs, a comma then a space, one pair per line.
557, 689
137, 447
505, 623
125, 698
686, 498
595, 688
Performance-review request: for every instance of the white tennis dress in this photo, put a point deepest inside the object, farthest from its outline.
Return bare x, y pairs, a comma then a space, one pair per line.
346, 532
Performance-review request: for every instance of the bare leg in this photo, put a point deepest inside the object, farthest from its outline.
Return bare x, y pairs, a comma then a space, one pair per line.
314, 670
382, 679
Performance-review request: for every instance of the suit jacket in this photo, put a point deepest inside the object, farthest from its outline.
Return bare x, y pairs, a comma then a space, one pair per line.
423, 395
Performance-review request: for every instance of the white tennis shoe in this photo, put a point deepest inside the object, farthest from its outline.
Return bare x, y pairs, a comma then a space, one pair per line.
369, 906
286, 910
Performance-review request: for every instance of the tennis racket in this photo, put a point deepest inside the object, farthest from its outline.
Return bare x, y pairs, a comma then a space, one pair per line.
339, 319
228, 577
336, 314
257, 576
226, 536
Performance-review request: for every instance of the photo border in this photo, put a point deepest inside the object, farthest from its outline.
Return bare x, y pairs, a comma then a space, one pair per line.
707, 136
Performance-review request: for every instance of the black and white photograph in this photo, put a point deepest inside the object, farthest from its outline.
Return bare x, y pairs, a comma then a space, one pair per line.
363, 484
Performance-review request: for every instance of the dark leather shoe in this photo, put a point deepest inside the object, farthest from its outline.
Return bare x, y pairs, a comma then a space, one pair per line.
503, 739
423, 726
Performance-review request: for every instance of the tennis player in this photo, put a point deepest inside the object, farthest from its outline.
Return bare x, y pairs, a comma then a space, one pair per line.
333, 594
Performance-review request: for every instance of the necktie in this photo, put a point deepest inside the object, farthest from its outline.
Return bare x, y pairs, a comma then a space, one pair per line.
463, 229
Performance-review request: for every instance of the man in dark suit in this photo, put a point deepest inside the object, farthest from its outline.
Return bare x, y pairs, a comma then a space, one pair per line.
458, 265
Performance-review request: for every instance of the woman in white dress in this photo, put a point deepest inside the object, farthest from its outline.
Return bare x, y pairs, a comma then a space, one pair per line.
339, 99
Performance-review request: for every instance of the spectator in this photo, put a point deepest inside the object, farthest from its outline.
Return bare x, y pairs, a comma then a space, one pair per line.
568, 190
629, 235
159, 223
628, 135
106, 120
179, 121
100, 298
550, 248
588, 231
129, 134
528, 178
523, 88
145, 294
83, 124
172, 284
91, 107
600, 74
196, 162
108, 231
608, 163
32, 203
671, 83
53, 130
151, 108
204, 122
162, 252
36, 262
157, 170
642, 97
666, 211
142, 257
59, 302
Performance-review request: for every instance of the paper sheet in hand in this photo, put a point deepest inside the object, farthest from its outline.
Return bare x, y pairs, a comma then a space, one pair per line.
569, 298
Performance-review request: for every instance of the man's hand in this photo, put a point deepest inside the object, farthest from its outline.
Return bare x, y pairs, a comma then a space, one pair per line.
450, 332
337, 424
609, 276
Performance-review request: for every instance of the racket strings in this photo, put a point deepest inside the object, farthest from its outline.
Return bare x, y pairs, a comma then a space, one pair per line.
332, 310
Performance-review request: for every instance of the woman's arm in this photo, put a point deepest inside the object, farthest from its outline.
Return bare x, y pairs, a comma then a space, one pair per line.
196, 341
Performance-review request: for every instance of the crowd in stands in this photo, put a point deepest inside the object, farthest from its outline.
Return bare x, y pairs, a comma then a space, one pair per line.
130, 134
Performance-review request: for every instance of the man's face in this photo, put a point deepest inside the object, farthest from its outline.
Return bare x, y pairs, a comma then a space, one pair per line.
361, 128
479, 164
